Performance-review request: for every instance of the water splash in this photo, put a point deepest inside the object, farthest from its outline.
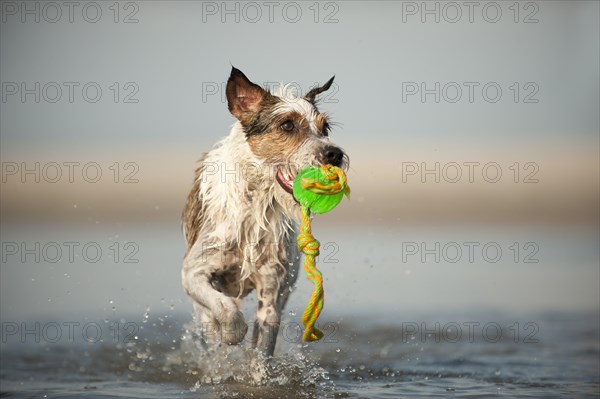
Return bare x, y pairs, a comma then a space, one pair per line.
242, 365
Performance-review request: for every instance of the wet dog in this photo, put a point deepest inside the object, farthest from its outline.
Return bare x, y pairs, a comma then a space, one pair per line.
240, 219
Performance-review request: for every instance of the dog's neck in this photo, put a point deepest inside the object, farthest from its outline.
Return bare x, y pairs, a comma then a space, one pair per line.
240, 193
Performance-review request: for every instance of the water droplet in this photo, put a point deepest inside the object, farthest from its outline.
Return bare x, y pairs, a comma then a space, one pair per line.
111, 301
292, 313
338, 350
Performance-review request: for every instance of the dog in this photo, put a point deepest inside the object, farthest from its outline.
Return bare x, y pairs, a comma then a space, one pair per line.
240, 220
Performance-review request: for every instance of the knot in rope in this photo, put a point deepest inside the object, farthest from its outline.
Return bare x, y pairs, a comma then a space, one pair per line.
308, 244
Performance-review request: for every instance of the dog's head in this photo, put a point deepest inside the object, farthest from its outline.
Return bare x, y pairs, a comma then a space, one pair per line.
283, 130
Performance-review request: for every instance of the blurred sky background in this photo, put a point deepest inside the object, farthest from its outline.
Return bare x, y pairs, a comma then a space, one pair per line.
178, 53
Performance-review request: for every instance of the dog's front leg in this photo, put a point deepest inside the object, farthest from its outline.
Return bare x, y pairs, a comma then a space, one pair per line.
207, 326
196, 276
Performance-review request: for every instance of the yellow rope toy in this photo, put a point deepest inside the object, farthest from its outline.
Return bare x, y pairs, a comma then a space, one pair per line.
318, 190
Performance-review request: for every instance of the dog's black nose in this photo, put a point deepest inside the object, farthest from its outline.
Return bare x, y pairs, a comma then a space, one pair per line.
333, 155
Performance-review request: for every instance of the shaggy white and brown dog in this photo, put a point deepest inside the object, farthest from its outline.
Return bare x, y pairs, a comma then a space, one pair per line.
240, 218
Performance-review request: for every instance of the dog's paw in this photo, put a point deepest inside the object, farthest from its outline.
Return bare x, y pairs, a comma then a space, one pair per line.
233, 329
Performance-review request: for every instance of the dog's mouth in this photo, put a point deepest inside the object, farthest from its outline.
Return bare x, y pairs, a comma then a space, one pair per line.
285, 180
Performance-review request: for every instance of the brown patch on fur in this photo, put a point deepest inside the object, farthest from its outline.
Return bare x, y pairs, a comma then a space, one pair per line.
255, 123
321, 122
276, 145
192, 217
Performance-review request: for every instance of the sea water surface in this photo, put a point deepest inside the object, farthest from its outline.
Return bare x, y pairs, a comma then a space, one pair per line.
546, 355
396, 324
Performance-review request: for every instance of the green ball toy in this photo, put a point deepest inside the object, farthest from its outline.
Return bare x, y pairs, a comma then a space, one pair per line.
320, 189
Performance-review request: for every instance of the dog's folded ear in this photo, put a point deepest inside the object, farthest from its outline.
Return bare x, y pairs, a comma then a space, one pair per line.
243, 96
312, 94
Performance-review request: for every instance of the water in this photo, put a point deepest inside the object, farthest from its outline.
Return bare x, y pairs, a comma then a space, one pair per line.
539, 355
123, 324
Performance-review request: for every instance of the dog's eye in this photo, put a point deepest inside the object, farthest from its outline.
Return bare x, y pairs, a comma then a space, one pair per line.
326, 129
287, 126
